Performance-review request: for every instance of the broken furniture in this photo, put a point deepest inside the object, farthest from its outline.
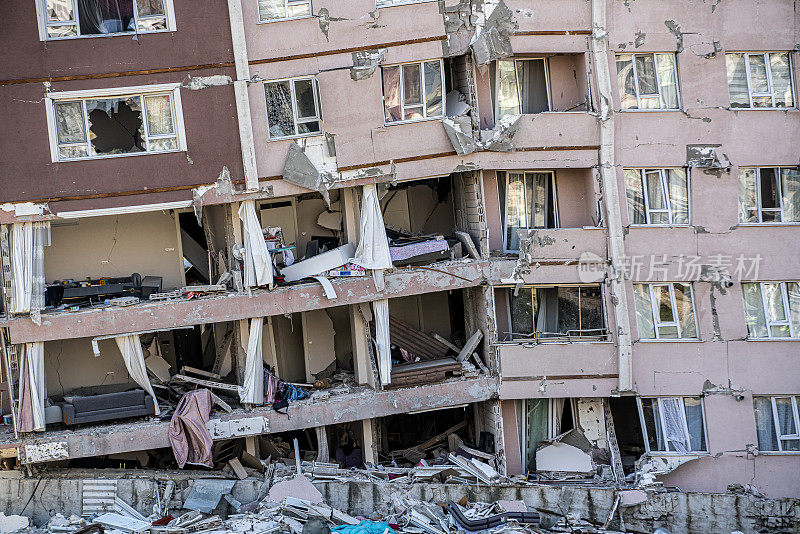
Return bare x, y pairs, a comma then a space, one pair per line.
79, 409
483, 523
73, 293
434, 366
417, 250
319, 264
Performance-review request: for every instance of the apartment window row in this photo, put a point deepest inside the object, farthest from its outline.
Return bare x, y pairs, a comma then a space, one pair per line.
65, 19
756, 80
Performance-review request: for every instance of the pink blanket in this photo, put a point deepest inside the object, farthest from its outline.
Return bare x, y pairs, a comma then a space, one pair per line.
188, 435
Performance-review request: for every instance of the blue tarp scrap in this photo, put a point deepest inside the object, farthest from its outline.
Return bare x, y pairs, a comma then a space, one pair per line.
365, 527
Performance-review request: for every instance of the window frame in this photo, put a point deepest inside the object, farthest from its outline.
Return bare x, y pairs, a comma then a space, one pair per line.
639, 95
664, 180
496, 96
681, 398
143, 91
286, 11
657, 323
770, 83
43, 23
553, 199
400, 3
794, 330
295, 119
778, 191
776, 423
423, 93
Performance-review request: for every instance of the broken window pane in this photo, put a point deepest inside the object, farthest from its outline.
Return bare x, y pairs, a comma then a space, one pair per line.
508, 94
159, 115
433, 88
515, 209
765, 426
391, 93
644, 311
115, 125
781, 79
412, 92
521, 311
668, 80
683, 305
758, 81
626, 81
737, 81
60, 10
754, 310
279, 109
748, 210
70, 123
790, 194
635, 194
99, 17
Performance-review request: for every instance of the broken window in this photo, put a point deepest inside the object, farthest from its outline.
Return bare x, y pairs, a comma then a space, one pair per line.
665, 311
673, 424
522, 86
527, 200
777, 423
772, 309
769, 194
657, 196
760, 80
293, 108
648, 81
543, 419
271, 10
81, 18
556, 313
97, 126
413, 91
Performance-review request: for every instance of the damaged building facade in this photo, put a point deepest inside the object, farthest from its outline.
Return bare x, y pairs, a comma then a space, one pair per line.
561, 238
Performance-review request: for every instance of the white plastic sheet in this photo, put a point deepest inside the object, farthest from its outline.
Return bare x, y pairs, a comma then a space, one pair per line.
675, 424
373, 245
27, 263
131, 349
383, 347
32, 391
257, 262
252, 390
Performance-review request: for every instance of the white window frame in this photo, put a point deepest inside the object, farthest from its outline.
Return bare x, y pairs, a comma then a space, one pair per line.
43, 23
143, 91
657, 323
423, 94
770, 84
297, 121
658, 84
392, 3
553, 198
286, 12
660, 422
662, 173
776, 422
786, 321
778, 191
496, 102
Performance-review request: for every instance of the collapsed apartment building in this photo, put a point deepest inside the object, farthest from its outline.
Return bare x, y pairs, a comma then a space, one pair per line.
392, 228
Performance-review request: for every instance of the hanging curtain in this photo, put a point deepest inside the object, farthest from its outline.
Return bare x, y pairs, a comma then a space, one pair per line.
257, 262
674, 419
790, 191
678, 195
765, 426
383, 347
557, 407
131, 349
31, 388
27, 264
373, 245
536, 429
252, 390
754, 310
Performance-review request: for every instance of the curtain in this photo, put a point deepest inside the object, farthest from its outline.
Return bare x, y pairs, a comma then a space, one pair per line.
547, 310
252, 390
790, 192
508, 102
27, 264
557, 412
382, 342
635, 194
131, 349
793, 294
693, 408
674, 421
765, 426
683, 305
32, 389
626, 82
516, 209
668, 80
536, 415
678, 195
644, 311
105, 16
373, 245
391, 93
737, 81
775, 311
532, 86
781, 79
747, 195
754, 310
280, 115
257, 261
433, 88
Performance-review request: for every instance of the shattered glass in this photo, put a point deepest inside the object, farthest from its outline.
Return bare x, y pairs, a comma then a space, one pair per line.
70, 123
279, 109
522, 312
668, 80
748, 210
737, 81
115, 125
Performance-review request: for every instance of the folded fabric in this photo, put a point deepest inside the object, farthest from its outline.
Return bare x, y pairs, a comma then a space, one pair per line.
188, 435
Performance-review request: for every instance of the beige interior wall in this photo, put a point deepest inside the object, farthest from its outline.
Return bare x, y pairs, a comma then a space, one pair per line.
429, 312
565, 91
416, 210
117, 246
395, 209
70, 364
289, 346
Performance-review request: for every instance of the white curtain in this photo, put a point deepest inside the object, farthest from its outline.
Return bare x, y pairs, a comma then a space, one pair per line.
257, 262
675, 424
383, 346
32, 389
252, 390
131, 349
373, 245
27, 264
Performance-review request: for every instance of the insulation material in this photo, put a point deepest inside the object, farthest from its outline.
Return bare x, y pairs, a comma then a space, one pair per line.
223, 187
252, 390
27, 267
383, 347
498, 139
373, 245
707, 157
133, 356
257, 262
32, 389
300, 170
366, 62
